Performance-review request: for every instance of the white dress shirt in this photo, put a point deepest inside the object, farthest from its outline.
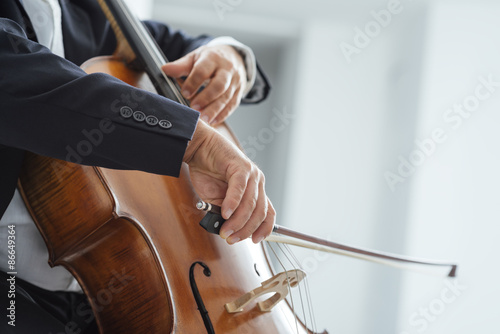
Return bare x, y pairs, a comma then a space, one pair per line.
31, 252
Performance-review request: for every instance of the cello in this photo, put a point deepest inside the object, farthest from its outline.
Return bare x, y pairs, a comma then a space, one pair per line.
131, 238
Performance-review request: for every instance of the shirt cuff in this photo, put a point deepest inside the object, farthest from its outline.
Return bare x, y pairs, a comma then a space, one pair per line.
247, 55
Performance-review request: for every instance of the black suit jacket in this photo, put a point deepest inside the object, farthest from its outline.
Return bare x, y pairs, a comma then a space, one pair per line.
49, 106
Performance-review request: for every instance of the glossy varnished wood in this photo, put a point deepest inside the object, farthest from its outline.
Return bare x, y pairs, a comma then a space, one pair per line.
109, 256
130, 237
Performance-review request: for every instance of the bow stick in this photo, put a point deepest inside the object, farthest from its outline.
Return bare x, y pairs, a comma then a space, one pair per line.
212, 222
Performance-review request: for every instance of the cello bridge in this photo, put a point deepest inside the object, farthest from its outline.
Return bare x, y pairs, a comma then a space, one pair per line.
279, 284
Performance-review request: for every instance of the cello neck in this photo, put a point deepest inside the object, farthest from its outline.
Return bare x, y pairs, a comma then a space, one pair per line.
136, 45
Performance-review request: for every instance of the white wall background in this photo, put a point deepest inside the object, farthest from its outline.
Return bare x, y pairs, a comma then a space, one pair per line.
454, 198
352, 121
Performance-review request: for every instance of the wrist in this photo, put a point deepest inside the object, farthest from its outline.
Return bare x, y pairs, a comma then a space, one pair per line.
246, 53
199, 136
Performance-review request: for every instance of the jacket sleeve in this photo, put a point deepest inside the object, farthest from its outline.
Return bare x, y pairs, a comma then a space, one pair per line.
51, 107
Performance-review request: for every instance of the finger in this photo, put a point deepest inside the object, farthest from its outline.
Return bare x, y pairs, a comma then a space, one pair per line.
255, 220
181, 67
180, 81
210, 112
236, 187
244, 212
227, 110
217, 86
203, 69
266, 228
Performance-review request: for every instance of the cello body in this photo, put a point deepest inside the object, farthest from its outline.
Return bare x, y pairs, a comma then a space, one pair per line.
130, 239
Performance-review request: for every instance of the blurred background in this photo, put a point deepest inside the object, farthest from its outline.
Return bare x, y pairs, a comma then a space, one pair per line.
381, 132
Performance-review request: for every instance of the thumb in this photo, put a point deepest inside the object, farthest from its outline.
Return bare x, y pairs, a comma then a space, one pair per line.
180, 67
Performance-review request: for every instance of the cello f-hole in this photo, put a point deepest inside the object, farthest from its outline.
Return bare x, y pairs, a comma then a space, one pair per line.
197, 296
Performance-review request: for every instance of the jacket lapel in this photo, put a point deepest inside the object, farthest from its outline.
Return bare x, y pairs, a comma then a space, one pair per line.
14, 10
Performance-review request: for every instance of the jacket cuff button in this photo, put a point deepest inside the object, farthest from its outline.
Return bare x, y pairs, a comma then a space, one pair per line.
126, 112
166, 124
152, 120
139, 116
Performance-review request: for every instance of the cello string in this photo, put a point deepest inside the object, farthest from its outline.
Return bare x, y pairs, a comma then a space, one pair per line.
291, 296
308, 291
295, 263
295, 259
288, 283
311, 307
299, 288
